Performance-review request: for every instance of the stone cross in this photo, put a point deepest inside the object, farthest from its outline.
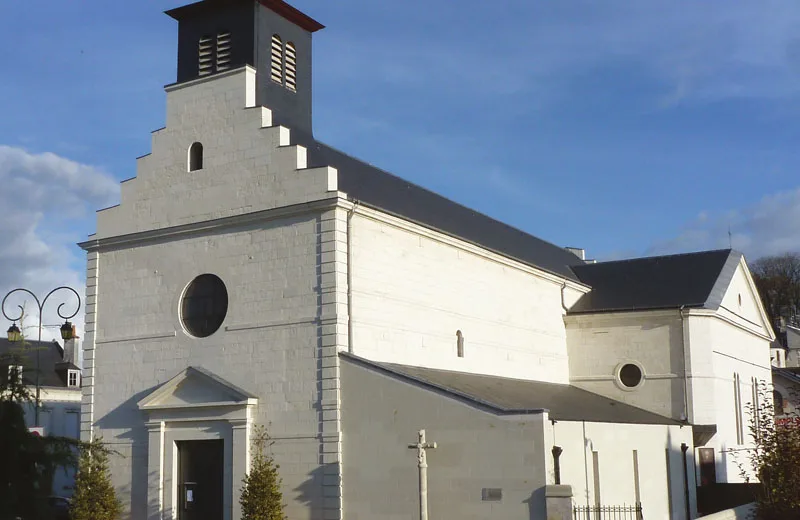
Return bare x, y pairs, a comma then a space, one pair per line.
422, 462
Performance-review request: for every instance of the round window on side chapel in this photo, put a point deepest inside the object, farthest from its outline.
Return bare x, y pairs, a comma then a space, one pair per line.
204, 306
630, 375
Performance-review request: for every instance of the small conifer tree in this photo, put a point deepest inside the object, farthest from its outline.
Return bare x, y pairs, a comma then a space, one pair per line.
94, 497
261, 491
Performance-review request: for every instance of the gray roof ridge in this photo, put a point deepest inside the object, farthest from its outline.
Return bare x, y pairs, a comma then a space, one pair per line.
788, 374
387, 368
714, 299
652, 257
482, 214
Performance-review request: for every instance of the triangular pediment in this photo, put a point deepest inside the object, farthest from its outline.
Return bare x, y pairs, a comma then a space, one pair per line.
195, 388
738, 298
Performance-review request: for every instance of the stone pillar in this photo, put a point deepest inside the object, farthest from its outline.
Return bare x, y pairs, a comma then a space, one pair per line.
558, 502
241, 462
155, 470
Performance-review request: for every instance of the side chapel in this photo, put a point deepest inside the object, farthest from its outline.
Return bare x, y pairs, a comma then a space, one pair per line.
252, 275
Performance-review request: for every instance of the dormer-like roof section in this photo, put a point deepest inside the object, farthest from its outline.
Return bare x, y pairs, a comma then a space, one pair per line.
280, 7
692, 280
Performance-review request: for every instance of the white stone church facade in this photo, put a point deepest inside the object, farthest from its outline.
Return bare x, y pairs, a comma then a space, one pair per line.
251, 275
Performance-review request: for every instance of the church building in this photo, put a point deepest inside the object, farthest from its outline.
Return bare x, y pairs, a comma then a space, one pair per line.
252, 275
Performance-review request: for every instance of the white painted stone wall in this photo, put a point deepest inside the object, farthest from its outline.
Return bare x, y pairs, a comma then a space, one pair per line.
248, 164
733, 351
282, 330
599, 343
268, 343
660, 461
413, 289
476, 451
717, 345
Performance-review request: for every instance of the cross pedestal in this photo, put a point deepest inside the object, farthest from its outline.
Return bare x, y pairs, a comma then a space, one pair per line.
422, 462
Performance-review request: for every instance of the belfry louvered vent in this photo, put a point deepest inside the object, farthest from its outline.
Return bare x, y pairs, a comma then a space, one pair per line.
223, 51
291, 67
206, 58
276, 69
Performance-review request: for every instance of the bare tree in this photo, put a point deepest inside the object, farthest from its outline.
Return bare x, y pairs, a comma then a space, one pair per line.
778, 282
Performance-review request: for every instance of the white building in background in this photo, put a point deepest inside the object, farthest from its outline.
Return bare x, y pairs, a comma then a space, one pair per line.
270, 279
786, 373
60, 391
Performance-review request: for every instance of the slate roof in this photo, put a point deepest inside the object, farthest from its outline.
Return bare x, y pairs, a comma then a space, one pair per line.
507, 396
787, 373
696, 280
50, 354
379, 189
279, 6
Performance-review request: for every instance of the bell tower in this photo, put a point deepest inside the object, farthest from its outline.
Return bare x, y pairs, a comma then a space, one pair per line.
215, 36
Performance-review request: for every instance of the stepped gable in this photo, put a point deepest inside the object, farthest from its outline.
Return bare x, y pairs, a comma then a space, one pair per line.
379, 189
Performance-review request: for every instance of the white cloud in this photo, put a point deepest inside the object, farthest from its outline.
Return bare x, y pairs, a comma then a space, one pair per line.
768, 227
47, 204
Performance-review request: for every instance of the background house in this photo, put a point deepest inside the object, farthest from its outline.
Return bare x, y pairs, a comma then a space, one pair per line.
60, 391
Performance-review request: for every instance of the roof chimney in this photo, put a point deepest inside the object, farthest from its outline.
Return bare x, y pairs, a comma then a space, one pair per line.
580, 253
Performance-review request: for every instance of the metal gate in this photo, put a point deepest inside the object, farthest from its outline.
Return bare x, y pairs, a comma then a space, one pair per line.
633, 512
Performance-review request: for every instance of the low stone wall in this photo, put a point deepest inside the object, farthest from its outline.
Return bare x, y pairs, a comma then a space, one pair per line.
746, 512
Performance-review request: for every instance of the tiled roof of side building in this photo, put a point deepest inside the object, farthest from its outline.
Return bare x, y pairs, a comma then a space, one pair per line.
49, 353
507, 396
379, 189
696, 280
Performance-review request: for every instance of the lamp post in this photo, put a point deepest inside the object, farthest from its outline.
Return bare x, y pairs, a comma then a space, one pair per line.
15, 334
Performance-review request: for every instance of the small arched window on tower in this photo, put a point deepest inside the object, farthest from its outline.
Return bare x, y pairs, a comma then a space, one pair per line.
459, 343
206, 56
276, 64
195, 157
291, 67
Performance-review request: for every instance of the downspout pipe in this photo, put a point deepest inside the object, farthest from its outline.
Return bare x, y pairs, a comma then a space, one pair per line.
684, 449
686, 365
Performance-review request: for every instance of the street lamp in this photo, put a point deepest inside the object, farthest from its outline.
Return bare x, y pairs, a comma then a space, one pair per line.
15, 335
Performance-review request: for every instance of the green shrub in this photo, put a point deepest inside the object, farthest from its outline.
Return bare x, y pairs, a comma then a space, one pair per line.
261, 491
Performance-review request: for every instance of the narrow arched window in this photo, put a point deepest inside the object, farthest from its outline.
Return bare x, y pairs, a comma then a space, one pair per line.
205, 63
195, 157
276, 68
777, 400
291, 67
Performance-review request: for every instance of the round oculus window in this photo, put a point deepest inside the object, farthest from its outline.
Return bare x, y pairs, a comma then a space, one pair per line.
630, 375
204, 306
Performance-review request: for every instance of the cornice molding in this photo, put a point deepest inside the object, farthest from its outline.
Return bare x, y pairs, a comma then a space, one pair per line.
134, 239
383, 217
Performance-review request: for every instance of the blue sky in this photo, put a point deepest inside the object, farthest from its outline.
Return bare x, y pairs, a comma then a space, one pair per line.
626, 128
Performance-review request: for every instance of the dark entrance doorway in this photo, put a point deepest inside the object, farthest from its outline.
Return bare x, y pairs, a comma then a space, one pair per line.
200, 483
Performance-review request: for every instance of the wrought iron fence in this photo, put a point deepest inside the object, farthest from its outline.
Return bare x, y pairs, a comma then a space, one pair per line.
625, 512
